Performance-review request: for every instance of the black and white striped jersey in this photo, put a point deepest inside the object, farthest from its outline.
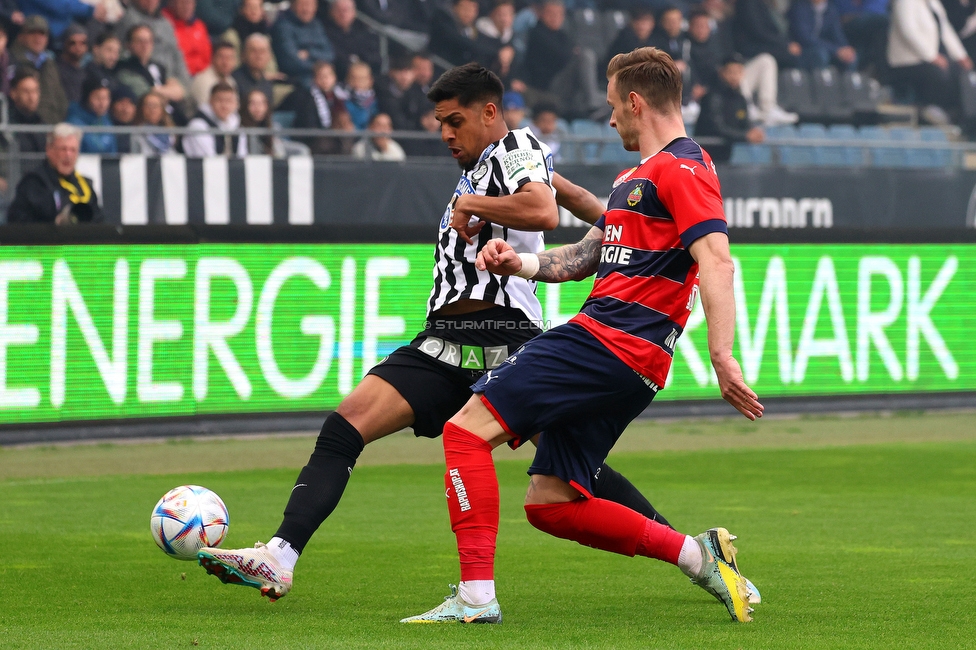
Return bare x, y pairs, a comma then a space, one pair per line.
504, 167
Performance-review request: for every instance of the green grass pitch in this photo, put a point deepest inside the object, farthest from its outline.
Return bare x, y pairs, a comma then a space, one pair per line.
852, 545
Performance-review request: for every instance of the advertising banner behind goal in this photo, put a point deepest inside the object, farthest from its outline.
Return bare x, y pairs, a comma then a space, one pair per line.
107, 332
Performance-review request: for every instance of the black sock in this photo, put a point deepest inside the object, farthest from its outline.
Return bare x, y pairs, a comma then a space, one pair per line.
614, 486
321, 482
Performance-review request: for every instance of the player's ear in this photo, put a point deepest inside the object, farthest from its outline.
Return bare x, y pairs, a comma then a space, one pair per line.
636, 102
489, 114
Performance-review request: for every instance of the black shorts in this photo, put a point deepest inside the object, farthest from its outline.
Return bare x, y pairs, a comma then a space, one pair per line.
434, 373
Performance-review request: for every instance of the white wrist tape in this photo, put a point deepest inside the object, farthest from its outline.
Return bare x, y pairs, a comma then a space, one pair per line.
530, 265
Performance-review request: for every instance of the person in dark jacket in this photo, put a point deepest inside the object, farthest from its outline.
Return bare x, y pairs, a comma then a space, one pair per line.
255, 55
724, 112
816, 26
637, 33
706, 55
454, 36
217, 15
55, 192
349, 36
25, 97
669, 37
299, 41
30, 50
320, 108
755, 31
400, 96
74, 49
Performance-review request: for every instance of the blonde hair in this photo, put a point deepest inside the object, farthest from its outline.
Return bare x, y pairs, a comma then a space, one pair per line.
652, 74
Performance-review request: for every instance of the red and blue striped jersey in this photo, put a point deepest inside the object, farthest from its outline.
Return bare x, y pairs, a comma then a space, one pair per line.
647, 281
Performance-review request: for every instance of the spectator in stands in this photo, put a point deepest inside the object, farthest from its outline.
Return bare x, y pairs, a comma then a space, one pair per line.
222, 66
30, 50
405, 14
454, 37
123, 113
250, 19
191, 34
11, 17
359, 95
349, 36
4, 61
92, 110
555, 64
166, 51
866, 26
257, 114
724, 112
25, 98
58, 15
962, 17
152, 112
220, 113
299, 41
71, 72
926, 55
142, 72
427, 147
670, 38
55, 192
706, 55
513, 109
251, 75
423, 71
756, 31
105, 57
379, 145
637, 33
321, 108
400, 97
816, 26
218, 15
545, 125
498, 24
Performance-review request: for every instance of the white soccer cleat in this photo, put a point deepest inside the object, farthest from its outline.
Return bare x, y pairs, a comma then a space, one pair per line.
249, 567
455, 610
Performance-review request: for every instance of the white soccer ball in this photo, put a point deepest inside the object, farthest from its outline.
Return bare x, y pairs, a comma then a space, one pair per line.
188, 518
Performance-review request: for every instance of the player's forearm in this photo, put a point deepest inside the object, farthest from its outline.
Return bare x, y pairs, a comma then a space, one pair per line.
572, 261
580, 201
715, 289
530, 210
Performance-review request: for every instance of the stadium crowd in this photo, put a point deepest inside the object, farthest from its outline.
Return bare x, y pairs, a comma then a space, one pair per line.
229, 63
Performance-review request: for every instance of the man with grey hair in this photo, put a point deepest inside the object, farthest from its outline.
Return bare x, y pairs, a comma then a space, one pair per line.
255, 56
55, 192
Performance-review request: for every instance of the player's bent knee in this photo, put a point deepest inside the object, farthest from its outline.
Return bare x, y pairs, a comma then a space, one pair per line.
544, 490
376, 409
552, 518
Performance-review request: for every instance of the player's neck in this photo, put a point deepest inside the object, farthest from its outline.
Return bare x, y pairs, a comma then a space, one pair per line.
659, 132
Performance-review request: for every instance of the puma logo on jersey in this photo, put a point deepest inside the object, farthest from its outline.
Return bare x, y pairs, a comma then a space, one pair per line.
691, 169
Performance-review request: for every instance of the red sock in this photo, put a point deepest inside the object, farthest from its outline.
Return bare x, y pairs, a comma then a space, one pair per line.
472, 499
608, 526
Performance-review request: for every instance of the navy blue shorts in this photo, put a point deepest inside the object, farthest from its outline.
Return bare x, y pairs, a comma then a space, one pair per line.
569, 386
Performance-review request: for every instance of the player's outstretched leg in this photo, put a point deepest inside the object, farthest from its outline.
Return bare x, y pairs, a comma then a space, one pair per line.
611, 527
472, 497
254, 567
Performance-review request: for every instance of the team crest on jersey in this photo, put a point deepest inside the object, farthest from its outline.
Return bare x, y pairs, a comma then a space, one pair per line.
623, 177
479, 171
635, 195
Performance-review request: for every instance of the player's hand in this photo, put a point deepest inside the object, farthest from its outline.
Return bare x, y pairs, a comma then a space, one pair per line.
460, 220
499, 258
734, 388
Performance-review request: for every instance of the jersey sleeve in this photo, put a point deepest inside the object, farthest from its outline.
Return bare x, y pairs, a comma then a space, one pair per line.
523, 165
691, 193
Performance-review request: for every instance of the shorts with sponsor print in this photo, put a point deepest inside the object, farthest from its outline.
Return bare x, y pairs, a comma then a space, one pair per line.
435, 371
568, 385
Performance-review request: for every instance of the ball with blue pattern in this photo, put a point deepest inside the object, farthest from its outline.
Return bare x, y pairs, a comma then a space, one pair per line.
188, 518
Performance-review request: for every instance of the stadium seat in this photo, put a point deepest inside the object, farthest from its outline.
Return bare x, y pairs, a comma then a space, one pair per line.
613, 22
845, 156
934, 157
829, 94
862, 94
967, 89
586, 26
783, 131
887, 156
614, 152
585, 151
796, 94
751, 154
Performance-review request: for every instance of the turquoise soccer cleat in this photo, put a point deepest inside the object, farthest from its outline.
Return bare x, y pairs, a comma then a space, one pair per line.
720, 576
249, 567
455, 610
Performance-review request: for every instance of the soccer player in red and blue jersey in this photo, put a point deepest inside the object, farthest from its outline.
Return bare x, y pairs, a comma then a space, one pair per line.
661, 245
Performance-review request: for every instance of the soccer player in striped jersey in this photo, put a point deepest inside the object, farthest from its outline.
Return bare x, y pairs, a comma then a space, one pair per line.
661, 244
475, 320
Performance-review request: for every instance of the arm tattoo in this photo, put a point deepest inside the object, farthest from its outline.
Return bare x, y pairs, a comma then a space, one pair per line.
573, 261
